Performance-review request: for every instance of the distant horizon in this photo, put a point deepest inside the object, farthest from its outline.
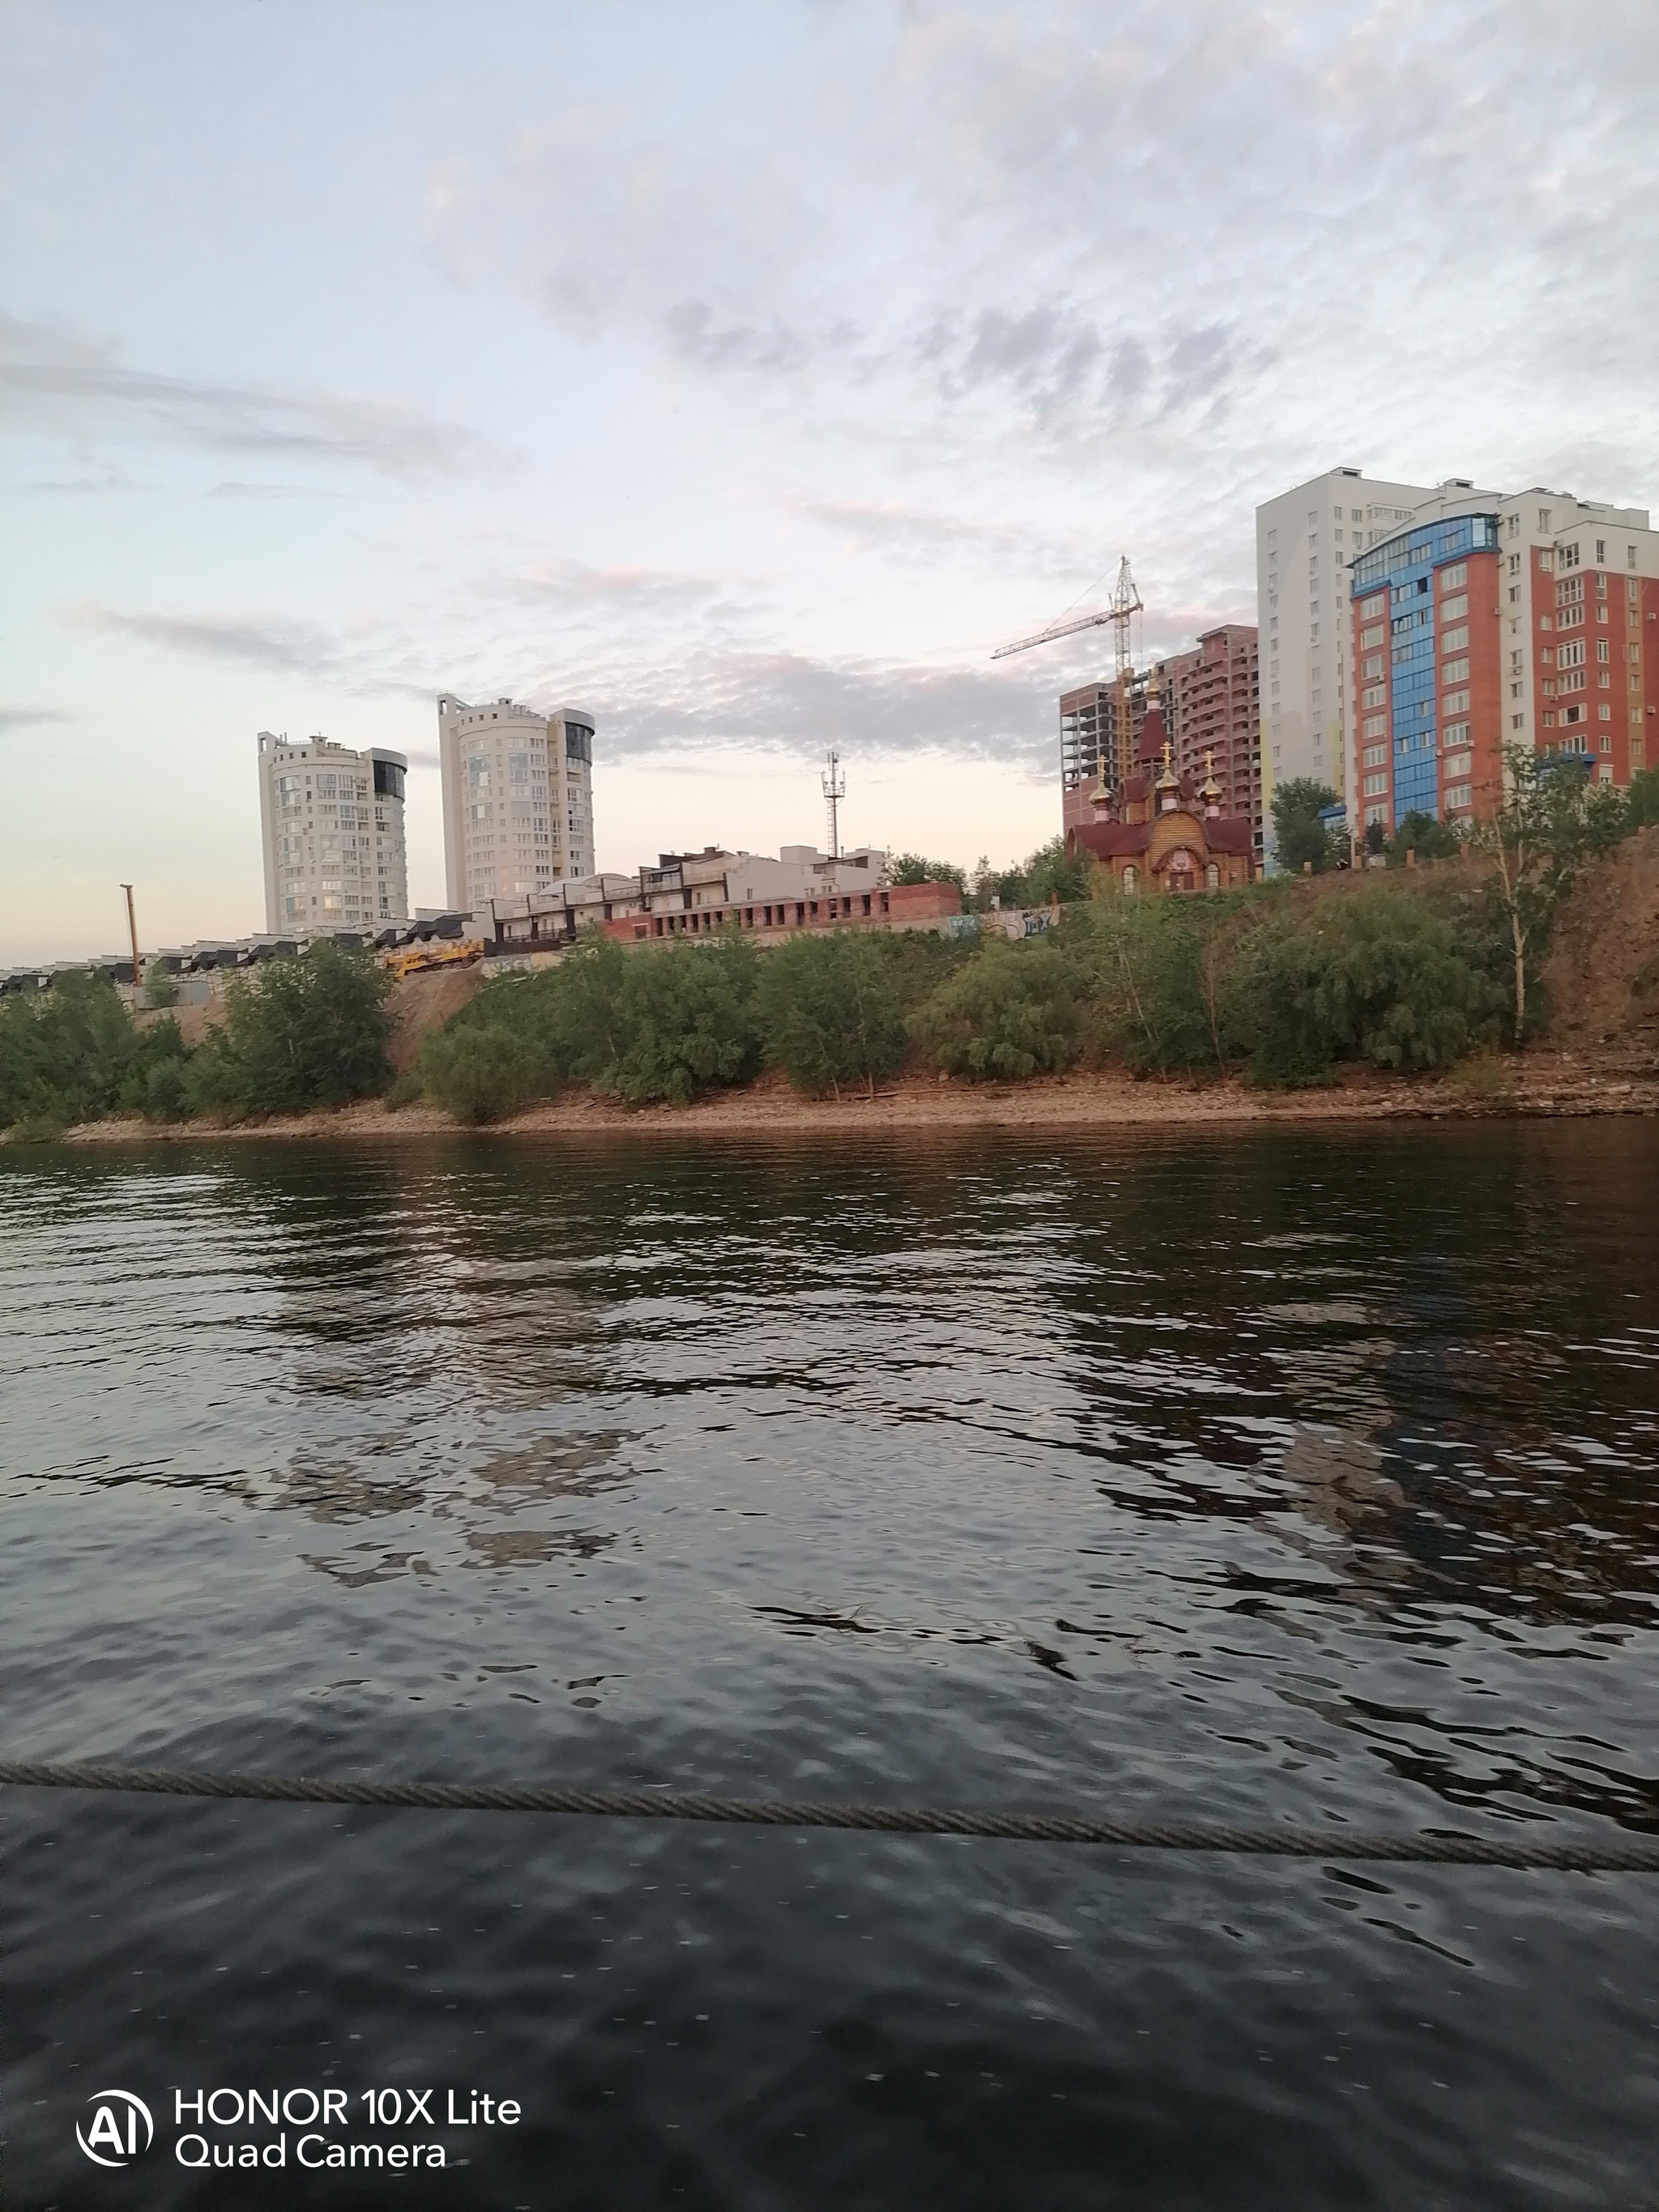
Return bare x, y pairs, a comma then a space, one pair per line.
749, 378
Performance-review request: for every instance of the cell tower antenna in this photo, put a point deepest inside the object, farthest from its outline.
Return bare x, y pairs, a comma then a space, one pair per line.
834, 790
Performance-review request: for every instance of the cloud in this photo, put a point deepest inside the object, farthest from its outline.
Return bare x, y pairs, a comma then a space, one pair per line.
53, 378
1023, 233
368, 661
799, 703
895, 530
582, 585
282, 647
30, 718
232, 490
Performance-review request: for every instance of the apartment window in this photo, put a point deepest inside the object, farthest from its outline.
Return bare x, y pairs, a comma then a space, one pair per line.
1517, 721
1601, 550
1455, 640
1376, 755
1452, 577
1376, 726
1629, 557
1371, 609
1455, 671
1543, 517
1514, 593
1567, 557
1460, 795
1457, 733
1604, 714
1544, 561
1454, 702
1375, 785
1515, 525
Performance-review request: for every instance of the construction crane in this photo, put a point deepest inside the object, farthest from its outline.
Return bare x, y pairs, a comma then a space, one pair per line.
1124, 603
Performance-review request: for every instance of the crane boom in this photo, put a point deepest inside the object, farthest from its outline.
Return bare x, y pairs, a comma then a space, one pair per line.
1054, 631
1124, 603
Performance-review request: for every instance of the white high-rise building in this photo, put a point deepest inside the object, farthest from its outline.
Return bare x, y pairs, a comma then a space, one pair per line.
332, 824
518, 793
1305, 544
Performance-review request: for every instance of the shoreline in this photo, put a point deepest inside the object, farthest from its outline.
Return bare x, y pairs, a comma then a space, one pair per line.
1555, 1086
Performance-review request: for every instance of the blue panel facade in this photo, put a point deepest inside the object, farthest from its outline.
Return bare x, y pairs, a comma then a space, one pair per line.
1407, 565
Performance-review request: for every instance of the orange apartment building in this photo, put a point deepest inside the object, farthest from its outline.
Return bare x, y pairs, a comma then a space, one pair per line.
1490, 621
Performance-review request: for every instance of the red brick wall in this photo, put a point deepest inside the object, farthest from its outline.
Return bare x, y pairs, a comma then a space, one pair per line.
910, 903
1488, 687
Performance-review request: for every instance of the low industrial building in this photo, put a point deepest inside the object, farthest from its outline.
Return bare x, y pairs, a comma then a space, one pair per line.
694, 894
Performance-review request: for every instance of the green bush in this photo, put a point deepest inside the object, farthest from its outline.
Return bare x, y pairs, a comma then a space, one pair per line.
1156, 975
483, 1072
685, 1021
665, 1022
155, 1082
65, 1053
829, 1012
405, 1090
1013, 1011
1642, 799
1375, 975
296, 1034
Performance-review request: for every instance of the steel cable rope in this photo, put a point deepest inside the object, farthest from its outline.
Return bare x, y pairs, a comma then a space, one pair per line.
1639, 1855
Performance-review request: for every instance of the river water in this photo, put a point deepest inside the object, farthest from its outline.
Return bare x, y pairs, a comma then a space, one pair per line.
1302, 1476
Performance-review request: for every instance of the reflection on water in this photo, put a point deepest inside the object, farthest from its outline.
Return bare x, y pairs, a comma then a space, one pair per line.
1306, 1478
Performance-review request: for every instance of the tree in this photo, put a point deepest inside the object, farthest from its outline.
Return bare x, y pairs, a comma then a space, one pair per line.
1299, 833
912, 868
1431, 840
1376, 839
829, 1013
64, 1053
1548, 823
298, 1033
1051, 875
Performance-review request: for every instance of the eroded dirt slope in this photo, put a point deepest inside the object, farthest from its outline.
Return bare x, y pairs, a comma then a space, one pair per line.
1603, 974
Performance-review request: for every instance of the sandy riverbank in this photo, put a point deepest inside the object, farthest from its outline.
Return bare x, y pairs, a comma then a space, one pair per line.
1542, 1086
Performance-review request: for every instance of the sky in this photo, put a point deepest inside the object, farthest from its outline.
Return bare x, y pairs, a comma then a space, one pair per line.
742, 372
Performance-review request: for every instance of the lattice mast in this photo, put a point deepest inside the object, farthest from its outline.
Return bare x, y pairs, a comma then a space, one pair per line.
834, 790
